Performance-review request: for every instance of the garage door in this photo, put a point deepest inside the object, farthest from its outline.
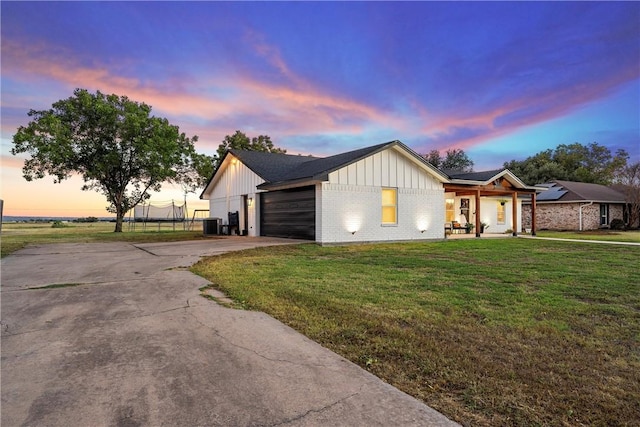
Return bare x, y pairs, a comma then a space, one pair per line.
289, 213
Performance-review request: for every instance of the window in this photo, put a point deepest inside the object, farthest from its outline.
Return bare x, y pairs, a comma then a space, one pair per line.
389, 205
450, 212
604, 214
501, 213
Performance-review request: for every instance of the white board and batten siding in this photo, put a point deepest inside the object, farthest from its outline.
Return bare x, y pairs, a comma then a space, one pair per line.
388, 168
226, 196
351, 201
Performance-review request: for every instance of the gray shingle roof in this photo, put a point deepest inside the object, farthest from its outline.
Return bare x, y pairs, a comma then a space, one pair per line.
292, 170
474, 176
278, 168
570, 191
319, 168
271, 167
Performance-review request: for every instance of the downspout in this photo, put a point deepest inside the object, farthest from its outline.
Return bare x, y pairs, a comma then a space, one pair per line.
583, 206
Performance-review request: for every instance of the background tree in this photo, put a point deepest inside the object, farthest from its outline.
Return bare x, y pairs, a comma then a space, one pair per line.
627, 181
592, 163
434, 157
196, 172
454, 160
240, 141
111, 141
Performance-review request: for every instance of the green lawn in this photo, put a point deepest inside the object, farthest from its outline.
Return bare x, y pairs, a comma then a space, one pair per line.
490, 332
15, 236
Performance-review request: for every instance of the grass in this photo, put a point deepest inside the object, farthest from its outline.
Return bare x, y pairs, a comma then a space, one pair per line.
489, 332
16, 236
605, 235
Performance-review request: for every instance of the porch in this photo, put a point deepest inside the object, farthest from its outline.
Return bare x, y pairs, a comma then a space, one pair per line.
489, 204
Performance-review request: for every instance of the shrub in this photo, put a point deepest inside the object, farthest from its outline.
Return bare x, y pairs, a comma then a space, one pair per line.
617, 224
58, 224
87, 219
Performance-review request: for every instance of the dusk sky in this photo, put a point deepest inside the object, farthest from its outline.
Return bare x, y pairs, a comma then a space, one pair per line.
501, 80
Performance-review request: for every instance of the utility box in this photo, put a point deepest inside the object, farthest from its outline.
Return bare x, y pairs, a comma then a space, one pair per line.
211, 226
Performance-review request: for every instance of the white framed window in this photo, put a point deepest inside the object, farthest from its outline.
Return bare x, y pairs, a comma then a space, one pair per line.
389, 206
604, 214
450, 212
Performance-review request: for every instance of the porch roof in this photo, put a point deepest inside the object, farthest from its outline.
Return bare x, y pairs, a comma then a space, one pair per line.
493, 182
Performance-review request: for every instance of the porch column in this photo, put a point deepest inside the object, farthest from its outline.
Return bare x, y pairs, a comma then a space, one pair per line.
477, 213
514, 212
533, 214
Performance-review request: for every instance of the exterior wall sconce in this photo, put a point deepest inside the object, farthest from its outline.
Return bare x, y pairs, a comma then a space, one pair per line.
422, 224
250, 201
352, 222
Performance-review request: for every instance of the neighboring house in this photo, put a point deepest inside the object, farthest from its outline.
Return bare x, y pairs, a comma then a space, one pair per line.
385, 192
568, 205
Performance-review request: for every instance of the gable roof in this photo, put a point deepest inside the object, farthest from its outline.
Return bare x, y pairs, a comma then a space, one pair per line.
482, 176
571, 191
487, 177
318, 169
286, 170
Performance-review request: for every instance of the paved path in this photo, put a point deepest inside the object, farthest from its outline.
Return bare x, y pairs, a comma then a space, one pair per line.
602, 242
133, 343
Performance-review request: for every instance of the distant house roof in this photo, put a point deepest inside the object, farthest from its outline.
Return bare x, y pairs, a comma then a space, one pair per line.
570, 191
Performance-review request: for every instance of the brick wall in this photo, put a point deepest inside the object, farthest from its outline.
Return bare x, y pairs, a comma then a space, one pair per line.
566, 216
342, 209
526, 216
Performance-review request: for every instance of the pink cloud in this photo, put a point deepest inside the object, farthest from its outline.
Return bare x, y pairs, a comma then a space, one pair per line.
470, 128
218, 105
296, 108
23, 64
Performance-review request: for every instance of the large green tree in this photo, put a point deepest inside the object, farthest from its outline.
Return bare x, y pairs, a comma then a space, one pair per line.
114, 143
454, 160
591, 163
240, 141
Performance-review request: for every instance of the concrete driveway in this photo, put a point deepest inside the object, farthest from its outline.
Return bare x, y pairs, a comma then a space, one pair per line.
132, 343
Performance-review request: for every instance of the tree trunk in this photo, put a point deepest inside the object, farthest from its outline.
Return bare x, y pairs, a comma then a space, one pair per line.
119, 217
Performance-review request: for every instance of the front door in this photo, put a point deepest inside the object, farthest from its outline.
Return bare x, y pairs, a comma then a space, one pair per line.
244, 220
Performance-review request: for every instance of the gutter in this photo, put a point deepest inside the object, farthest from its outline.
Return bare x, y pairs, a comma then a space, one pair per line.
583, 206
